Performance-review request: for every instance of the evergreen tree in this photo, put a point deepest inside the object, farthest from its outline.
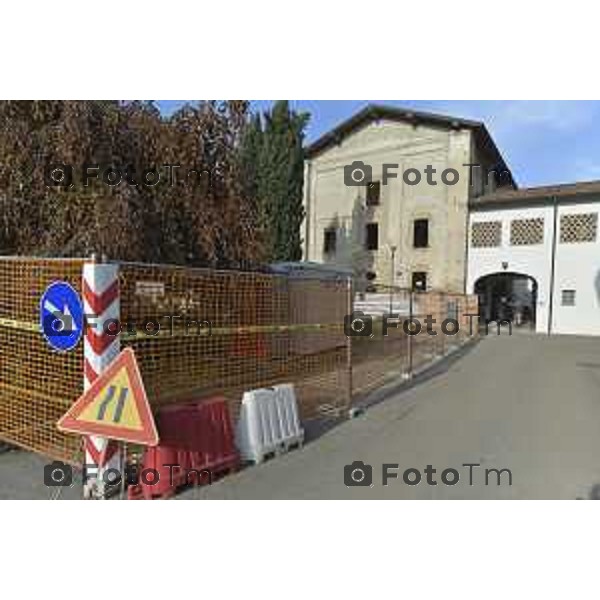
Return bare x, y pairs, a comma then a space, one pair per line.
275, 147
250, 154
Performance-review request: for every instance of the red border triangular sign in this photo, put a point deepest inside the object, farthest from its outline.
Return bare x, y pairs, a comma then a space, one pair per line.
115, 406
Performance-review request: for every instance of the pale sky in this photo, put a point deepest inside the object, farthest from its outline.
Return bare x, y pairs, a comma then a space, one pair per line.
543, 142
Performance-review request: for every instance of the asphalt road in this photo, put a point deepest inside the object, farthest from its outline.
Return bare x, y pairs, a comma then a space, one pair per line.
527, 403
22, 478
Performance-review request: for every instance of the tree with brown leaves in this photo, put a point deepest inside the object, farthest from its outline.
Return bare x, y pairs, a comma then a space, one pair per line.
203, 219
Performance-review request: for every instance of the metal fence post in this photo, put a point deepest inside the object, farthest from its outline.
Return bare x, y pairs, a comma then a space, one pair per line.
409, 374
349, 309
443, 315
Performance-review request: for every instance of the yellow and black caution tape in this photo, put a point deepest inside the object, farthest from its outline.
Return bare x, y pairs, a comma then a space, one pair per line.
21, 325
165, 332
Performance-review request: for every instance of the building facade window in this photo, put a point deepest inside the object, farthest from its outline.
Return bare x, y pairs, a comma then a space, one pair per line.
567, 298
486, 234
578, 228
421, 233
371, 276
329, 241
372, 236
419, 281
373, 193
526, 232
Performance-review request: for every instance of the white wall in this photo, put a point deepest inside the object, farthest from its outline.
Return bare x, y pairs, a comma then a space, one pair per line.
534, 261
577, 266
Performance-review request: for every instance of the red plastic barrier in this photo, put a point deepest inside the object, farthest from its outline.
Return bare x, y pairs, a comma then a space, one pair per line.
198, 438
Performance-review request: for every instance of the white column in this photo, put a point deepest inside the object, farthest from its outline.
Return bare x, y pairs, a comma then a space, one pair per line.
101, 306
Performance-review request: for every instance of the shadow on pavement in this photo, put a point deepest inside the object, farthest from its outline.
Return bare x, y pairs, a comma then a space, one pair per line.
316, 428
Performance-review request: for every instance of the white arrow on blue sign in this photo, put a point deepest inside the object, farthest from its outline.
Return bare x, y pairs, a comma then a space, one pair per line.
61, 316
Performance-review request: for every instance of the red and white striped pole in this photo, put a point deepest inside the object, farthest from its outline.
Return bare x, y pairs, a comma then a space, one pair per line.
102, 308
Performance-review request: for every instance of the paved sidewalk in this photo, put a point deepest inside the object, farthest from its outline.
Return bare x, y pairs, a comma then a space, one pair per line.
22, 478
527, 403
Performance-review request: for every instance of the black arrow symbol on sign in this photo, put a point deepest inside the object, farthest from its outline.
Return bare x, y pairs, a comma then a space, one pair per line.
110, 394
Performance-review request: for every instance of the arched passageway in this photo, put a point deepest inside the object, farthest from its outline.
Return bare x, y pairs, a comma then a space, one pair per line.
511, 296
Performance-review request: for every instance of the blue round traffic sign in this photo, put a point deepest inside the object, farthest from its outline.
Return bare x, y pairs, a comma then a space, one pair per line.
61, 316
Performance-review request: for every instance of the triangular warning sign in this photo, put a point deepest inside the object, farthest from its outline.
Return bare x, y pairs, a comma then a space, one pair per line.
115, 406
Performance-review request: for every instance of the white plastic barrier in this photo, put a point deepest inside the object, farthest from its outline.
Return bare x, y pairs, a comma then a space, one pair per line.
269, 422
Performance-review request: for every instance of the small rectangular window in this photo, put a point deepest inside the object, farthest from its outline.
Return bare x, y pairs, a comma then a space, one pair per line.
568, 297
373, 193
329, 241
419, 281
372, 241
371, 276
421, 233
